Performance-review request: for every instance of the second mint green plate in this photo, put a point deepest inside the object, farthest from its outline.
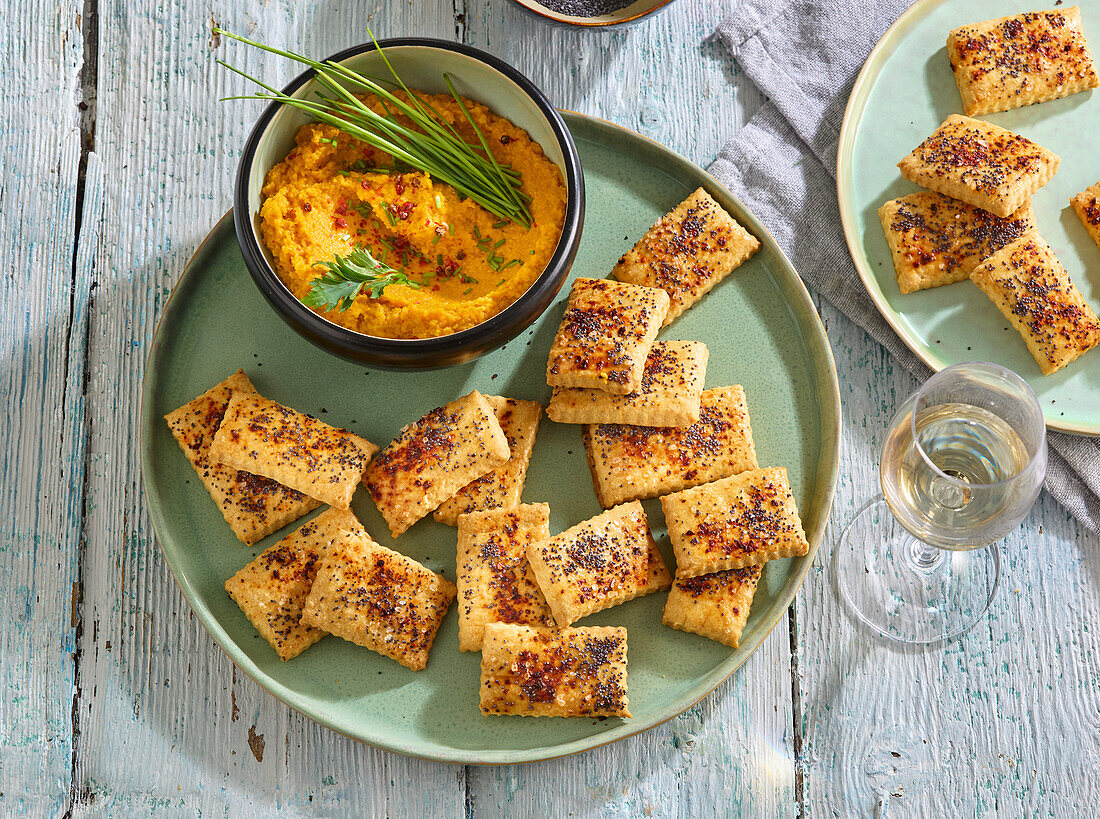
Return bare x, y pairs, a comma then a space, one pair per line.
763, 333
905, 90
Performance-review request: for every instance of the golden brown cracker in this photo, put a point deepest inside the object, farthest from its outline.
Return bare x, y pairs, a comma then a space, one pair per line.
374, 597
631, 462
597, 564
1020, 60
1087, 206
295, 449
435, 457
713, 605
272, 589
252, 505
495, 581
981, 164
1033, 291
672, 384
501, 488
739, 521
540, 672
605, 335
936, 240
687, 252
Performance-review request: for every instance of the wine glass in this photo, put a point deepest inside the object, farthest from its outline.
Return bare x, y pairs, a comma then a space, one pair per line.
963, 463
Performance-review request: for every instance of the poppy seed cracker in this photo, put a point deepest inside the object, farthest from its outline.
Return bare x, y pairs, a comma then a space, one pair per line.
272, 589
597, 564
495, 581
1030, 287
980, 164
252, 505
1087, 206
1020, 60
687, 252
672, 384
379, 599
540, 672
605, 335
632, 462
739, 521
501, 488
295, 449
936, 240
715, 606
435, 457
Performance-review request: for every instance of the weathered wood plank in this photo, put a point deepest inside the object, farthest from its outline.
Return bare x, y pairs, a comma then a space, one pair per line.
41, 421
163, 722
1006, 721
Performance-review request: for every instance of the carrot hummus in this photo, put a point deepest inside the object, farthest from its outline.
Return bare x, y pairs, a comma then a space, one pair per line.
333, 194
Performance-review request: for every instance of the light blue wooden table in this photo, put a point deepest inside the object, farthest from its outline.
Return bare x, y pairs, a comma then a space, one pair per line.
117, 159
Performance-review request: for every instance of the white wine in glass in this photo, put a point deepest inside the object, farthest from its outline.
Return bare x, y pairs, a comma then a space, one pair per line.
963, 463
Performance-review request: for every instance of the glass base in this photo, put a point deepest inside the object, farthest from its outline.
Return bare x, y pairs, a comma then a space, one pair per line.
905, 589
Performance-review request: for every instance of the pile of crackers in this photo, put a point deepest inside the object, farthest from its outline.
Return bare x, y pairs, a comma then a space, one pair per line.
975, 221
650, 429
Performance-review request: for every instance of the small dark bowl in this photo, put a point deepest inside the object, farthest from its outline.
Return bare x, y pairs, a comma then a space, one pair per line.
421, 62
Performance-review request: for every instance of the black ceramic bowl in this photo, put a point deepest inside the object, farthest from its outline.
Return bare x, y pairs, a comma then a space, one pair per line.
421, 63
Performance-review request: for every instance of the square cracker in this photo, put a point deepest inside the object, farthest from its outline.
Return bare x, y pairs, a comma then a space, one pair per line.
503, 487
713, 605
377, 598
540, 672
936, 240
1019, 60
597, 564
1033, 291
290, 447
252, 505
739, 521
672, 384
604, 335
687, 252
434, 458
495, 581
1087, 205
272, 589
630, 462
980, 164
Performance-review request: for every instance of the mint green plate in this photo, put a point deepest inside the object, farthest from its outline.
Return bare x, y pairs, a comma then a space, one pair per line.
904, 91
762, 331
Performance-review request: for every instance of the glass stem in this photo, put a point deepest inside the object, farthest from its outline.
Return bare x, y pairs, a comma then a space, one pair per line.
923, 556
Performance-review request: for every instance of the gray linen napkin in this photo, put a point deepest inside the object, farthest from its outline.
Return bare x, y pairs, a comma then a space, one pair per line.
805, 55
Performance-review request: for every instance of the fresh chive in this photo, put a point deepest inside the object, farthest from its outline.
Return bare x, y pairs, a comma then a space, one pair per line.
510, 263
467, 291
500, 224
438, 202
428, 142
435, 239
498, 244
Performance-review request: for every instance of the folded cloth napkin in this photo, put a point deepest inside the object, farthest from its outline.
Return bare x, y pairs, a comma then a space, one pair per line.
805, 55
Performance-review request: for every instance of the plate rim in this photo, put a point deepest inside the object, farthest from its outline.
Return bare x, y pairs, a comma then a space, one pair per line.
827, 474
845, 153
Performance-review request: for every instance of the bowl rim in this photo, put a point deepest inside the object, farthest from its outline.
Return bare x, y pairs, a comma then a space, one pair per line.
496, 329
